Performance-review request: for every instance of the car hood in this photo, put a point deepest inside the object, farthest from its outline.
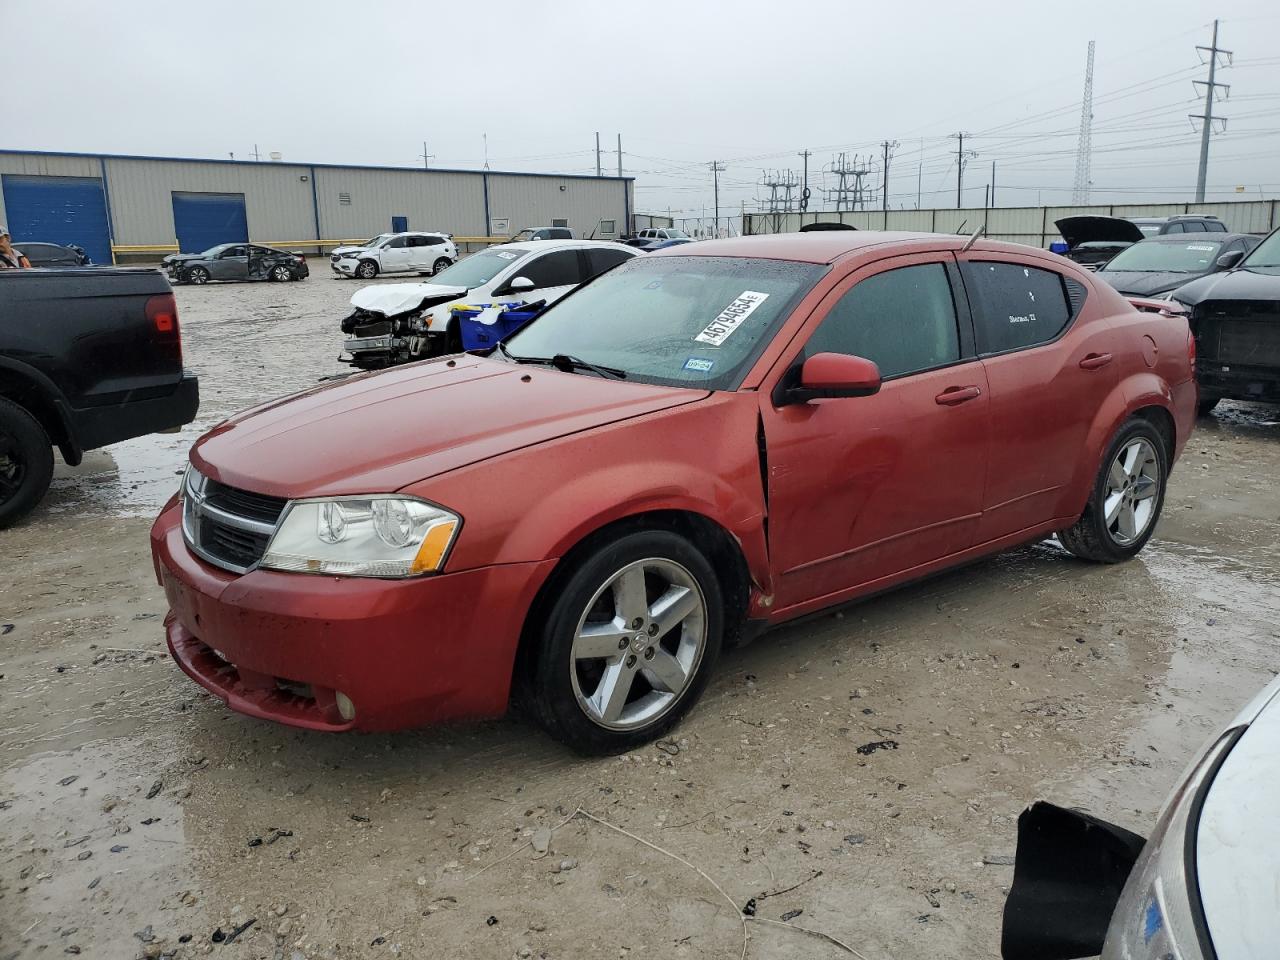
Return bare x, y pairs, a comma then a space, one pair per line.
1077, 230
392, 299
344, 250
1241, 284
182, 258
1145, 283
1238, 843
365, 434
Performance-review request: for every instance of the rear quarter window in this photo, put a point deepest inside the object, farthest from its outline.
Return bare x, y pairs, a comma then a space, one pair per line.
1015, 306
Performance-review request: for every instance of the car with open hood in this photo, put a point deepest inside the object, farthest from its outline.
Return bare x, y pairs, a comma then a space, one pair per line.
394, 323
698, 444
1092, 241
1159, 265
1201, 887
1235, 316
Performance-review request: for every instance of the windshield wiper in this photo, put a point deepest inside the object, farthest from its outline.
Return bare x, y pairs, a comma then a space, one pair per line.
568, 364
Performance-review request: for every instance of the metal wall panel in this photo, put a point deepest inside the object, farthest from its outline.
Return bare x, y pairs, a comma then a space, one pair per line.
277, 198
537, 201
429, 200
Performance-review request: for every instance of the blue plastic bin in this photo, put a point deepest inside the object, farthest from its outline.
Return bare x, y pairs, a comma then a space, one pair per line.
484, 336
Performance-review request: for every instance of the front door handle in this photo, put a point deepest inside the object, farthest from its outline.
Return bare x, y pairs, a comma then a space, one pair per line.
1095, 361
953, 395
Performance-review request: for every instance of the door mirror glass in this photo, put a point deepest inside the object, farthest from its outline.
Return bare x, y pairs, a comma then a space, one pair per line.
834, 375
1229, 260
520, 284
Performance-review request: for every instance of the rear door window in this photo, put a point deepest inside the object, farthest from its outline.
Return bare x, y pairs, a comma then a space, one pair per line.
903, 319
598, 261
1015, 306
1212, 226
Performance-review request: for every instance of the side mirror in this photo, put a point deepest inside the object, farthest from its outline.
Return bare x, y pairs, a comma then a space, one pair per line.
1229, 260
519, 285
827, 376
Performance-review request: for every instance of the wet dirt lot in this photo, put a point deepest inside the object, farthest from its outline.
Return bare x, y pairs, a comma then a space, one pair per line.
139, 817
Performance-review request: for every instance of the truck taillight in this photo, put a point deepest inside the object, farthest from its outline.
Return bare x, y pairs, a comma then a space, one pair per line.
162, 312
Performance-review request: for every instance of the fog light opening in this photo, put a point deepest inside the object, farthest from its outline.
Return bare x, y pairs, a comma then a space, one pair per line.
346, 709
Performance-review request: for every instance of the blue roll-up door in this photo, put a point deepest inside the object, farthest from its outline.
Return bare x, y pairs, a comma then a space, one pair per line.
66, 210
204, 220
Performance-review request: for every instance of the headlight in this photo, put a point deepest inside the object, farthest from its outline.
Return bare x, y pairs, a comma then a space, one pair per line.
373, 536
1159, 915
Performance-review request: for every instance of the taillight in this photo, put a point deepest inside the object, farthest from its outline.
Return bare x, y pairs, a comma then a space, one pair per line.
162, 312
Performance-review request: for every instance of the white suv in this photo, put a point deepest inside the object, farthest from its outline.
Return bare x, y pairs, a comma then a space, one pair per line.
422, 253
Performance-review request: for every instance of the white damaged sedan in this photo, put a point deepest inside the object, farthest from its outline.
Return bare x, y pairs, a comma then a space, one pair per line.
1204, 886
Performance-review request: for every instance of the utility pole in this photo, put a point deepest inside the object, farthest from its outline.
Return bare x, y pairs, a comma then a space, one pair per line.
426, 156
888, 146
1206, 119
962, 157
486, 150
599, 172
1084, 145
256, 154
619, 155
716, 169
993, 183
804, 194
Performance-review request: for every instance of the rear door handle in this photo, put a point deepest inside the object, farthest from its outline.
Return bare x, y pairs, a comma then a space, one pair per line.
953, 395
1095, 361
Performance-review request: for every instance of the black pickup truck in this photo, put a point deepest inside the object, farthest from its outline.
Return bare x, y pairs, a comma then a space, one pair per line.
1235, 317
88, 357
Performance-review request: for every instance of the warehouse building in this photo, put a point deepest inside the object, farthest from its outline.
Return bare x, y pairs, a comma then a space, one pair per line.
117, 204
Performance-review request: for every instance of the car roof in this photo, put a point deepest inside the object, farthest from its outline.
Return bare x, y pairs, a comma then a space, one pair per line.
1215, 236
562, 244
828, 246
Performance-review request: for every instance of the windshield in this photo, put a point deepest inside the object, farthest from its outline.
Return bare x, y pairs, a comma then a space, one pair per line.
478, 269
681, 321
379, 240
214, 251
525, 234
1266, 254
676, 234
1154, 256
1149, 229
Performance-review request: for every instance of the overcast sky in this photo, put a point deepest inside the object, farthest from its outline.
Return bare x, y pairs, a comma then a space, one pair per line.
748, 83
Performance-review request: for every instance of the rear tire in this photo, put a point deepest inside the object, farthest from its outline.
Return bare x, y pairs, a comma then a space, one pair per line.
1206, 405
1126, 500
26, 462
660, 596
281, 274
366, 270
442, 264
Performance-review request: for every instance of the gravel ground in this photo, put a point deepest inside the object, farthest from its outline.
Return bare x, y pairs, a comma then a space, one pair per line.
138, 817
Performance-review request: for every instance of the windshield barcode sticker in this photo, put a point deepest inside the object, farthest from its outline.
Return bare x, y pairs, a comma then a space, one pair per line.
731, 317
1205, 247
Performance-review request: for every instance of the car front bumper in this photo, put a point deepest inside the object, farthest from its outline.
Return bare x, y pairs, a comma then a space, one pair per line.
1238, 381
343, 268
281, 646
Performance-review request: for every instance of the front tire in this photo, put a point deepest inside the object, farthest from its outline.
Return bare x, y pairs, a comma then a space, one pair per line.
26, 462
628, 642
1127, 497
366, 270
198, 275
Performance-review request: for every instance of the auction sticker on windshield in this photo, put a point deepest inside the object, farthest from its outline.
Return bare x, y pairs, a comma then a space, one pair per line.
1206, 247
731, 317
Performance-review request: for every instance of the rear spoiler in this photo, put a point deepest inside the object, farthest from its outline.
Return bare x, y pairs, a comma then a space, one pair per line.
1167, 308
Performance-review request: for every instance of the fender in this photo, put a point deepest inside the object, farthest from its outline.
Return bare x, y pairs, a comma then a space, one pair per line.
49, 392
524, 509
1135, 391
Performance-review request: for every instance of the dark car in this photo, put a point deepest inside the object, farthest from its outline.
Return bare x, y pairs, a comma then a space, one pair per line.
822, 225
1235, 317
88, 357
1092, 241
1180, 223
1158, 265
236, 261
54, 255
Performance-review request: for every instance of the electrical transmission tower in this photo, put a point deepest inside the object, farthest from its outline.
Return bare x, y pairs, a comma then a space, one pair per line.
1207, 119
783, 196
888, 146
849, 193
1084, 147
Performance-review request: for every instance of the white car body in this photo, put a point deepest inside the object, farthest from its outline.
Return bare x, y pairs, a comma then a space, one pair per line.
413, 251
517, 259
662, 233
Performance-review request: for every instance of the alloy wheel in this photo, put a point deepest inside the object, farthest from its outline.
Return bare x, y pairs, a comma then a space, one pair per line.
1133, 482
199, 276
281, 274
638, 644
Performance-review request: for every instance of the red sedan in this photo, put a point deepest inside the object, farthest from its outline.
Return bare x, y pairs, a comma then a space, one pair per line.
694, 446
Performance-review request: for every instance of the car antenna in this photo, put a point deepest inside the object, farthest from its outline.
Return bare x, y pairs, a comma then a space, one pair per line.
974, 239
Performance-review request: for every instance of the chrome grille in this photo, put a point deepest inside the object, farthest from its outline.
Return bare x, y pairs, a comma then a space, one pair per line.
227, 526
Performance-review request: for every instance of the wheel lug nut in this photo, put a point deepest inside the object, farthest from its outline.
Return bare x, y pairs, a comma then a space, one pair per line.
653, 629
631, 660
622, 644
649, 653
635, 624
